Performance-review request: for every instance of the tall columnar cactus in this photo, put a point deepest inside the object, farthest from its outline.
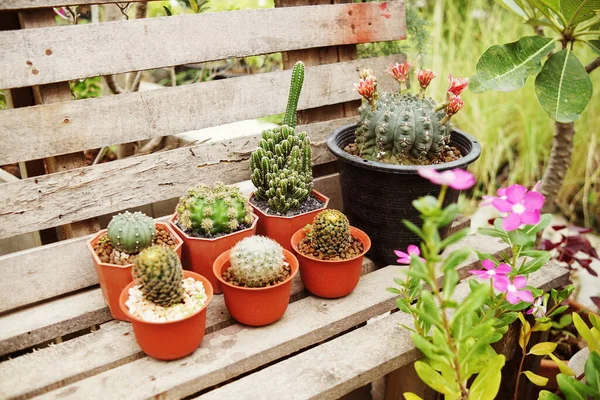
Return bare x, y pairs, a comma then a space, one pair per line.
131, 232
256, 261
282, 164
158, 271
330, 233
209, 211
395, 127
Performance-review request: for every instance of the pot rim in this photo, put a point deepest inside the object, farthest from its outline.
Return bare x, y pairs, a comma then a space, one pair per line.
97, 235
401, 169
186, 274
173, 219
366, 246
317, 194
288, 255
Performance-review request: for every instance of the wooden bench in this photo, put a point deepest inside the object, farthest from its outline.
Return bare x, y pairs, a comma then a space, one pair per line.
321, 348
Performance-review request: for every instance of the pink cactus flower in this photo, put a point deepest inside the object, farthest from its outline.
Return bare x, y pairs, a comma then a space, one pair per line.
513, 292
404, 258
457, 85
399, 71
457, 178
367, 87
497, 275
455, 103
523, 207
425, 76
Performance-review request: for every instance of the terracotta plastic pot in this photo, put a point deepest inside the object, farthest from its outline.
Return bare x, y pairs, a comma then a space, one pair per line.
334, 278
280, 228
199, 254
113, 277
256, 306
174, 339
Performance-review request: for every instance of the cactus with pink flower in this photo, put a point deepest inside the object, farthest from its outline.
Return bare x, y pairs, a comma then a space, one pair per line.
405, 128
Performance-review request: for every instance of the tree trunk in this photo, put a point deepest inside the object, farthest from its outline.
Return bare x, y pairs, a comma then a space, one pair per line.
558, 164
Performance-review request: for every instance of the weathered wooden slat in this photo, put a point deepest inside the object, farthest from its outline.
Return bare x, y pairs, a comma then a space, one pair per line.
74, 195
26, 4
63, 53
21, 372
330, 370
93, 123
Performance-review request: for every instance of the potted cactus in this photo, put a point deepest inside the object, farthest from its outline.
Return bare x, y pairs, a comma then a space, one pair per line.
256, 277
165, 304
115, 249
330, 252
281, 166
378, 157
210, 221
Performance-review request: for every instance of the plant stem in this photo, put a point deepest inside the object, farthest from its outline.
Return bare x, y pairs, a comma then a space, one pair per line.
558, 164
585, 33
593, 65
523, 355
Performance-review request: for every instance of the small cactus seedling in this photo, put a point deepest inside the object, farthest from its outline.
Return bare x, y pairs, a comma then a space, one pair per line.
159, 274
282, 164
257, 261
394, 127
330, 233
131, 232
209, 211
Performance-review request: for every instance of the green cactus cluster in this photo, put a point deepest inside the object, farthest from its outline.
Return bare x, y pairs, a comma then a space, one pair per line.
131, 232
282, 164
401, 126
159, 274
210, 211
330, 233
256, 261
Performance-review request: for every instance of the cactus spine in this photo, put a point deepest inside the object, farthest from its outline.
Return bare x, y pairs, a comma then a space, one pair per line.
330, 233
282, 164
158, 272
209, 211
131, 232
256, 261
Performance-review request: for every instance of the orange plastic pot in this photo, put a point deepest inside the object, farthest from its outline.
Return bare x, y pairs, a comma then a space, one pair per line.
330, 278
256, 306
174, 339
199, 254
280, 228
113, 277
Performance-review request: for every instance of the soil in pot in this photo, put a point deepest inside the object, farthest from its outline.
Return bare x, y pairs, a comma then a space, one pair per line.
354, 250
108, 254
448, 154
312, 203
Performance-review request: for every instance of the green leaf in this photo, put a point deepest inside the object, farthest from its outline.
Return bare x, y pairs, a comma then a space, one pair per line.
560, 310
535, 264
433, 379
563, 321
167, 10
425, 346
455, 237
455, 258
563, 87
411, 396
473, 301
448, 214
542, 349
595, 45
414, 229
194, 5
546, 395
592, 370
487, 383
585, 332
595, 320
506, 67
545, 220
521, 238
475, 84
536, 379
542, 325
572, 388
426, 205
492, 232
451, 279
513, 6
576, 11
562, 366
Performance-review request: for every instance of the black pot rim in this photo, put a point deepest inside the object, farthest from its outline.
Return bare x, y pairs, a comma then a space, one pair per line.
401, 169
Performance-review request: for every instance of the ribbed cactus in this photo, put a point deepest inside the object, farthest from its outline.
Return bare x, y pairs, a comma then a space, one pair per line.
256, 261
209, 211
330, 233
158, 272
282, 164
131, 232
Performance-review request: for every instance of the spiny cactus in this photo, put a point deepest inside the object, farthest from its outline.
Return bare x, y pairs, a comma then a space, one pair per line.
256, 261
330, 233
158, 272
209, 211
395, 127
282, 164
131, 232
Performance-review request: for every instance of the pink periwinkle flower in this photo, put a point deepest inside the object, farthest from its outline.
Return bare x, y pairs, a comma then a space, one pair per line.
497, 275
513, 292
404, 258
537, 308
523, 207
455, 103
487, 200
425, 76
399, 71
367, 87
457, 178
457, 85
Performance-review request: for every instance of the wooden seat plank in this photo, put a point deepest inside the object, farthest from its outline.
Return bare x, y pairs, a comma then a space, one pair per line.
329, 371
26, 4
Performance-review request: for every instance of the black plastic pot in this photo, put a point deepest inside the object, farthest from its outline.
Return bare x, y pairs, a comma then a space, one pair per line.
378, 196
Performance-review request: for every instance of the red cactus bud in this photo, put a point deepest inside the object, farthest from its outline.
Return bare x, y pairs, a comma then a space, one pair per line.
455, 103
367, 87
399, 71
457, 85
425, 76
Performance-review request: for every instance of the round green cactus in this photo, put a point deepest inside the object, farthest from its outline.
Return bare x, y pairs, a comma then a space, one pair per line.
256, 261
158, 272
209, 211
131, 232
330, 233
